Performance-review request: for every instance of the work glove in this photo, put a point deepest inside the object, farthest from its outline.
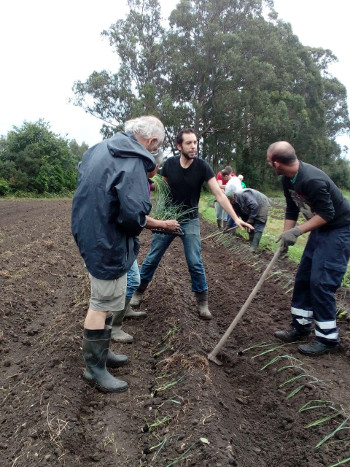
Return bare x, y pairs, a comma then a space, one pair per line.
288, 238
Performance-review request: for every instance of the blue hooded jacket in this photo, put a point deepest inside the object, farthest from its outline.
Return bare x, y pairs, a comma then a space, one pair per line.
111, 203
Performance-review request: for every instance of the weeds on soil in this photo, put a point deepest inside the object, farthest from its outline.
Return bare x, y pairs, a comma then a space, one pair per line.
167, 411
327, 409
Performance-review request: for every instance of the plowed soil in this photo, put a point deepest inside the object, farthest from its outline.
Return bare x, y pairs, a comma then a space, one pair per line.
180, 409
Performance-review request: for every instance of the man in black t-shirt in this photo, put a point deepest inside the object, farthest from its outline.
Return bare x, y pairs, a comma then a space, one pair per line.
185, 175
324, 262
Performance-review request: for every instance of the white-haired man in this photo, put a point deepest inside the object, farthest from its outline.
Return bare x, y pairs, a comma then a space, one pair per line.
110, 208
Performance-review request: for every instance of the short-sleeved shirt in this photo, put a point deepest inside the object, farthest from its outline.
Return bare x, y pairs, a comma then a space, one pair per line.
219, 177
185, 184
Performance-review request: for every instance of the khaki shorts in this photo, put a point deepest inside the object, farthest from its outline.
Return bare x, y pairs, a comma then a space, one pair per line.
107, 295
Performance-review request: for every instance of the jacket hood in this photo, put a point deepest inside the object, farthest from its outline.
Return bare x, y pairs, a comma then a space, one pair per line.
124, 144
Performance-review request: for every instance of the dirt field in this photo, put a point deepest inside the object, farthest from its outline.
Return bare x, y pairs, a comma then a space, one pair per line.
179, 410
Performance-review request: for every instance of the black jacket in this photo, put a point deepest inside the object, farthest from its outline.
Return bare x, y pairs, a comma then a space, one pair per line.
110, 204
313, 192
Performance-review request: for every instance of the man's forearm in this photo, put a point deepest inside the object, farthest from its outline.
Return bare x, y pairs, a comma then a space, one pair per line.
314, 223
289, 224
169, 224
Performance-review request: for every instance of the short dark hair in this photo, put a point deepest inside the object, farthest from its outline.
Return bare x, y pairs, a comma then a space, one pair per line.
179, 137
226, 171
282, 153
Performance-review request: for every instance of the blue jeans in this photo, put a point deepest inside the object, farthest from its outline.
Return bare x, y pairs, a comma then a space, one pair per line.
132, 279
221, 214
230, 222
192, 246
320, 273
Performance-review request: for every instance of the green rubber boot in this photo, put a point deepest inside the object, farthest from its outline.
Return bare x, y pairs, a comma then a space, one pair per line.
130, 313
95, 351
114, 360
118, 335
255, 241
202, 303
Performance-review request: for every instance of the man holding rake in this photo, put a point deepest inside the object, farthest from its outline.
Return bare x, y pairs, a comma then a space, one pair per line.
324, 262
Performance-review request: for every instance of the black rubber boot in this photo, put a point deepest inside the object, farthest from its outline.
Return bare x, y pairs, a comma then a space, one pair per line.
292, 334
114, 360
255, 241
95, 351
219, 223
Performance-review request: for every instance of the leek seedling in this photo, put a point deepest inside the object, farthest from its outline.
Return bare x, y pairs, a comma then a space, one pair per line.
163, 207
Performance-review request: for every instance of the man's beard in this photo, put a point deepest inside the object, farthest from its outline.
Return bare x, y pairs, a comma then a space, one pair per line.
187, 156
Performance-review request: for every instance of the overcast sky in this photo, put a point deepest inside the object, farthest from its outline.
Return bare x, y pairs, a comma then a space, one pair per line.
46, 45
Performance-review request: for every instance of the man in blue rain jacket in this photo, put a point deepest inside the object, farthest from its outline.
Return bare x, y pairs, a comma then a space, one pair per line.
109, 211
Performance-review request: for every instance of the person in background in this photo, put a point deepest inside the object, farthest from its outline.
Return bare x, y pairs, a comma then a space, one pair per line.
110, 208
185, 175
253, 207
222, 177
310, 191
234, 184
240, 177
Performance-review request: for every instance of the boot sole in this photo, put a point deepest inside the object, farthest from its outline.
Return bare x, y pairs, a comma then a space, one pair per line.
121, 341
94, 384
206, 318
136, 317
316, 354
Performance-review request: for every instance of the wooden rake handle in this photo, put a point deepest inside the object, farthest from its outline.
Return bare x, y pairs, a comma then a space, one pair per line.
212, 355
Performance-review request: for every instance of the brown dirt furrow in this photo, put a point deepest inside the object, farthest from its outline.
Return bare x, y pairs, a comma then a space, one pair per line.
180, 409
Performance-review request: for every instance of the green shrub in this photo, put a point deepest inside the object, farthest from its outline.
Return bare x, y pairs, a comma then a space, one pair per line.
4, 187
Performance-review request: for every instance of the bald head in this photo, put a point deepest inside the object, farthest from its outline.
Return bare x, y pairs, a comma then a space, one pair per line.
281, 151
282, 158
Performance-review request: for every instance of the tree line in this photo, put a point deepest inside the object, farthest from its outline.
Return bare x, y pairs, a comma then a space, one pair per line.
233, 71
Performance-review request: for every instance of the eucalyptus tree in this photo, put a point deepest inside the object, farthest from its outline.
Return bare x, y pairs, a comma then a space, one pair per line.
229, 68
248, 82
136, 87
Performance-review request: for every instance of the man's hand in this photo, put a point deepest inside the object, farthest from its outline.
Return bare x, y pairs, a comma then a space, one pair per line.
170, 224
244, 225
288, 238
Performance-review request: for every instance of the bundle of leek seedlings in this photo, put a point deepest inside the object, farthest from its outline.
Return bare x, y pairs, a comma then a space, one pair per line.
164, 209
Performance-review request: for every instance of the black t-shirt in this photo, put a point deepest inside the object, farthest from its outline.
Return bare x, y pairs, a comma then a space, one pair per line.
185, 184
315, 193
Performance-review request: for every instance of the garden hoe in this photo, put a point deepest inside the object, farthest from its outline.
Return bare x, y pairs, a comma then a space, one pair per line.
212, 355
